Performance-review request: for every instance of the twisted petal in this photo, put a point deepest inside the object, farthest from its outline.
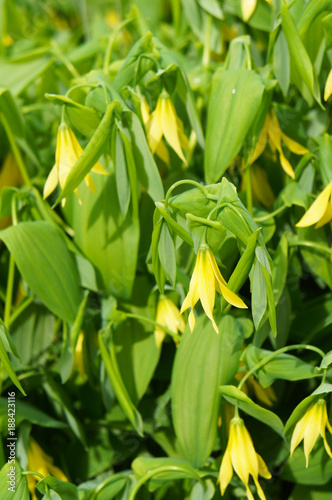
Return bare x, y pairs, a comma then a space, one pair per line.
294, 146
192, 295
298, 433
261, 143
226, 469
326, 217
312, 430
206, 285
154, 127
318, 209
51, 182
170, 127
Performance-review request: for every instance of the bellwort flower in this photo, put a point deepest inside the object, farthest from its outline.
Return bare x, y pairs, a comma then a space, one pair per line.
39, 461
168, 315
248, 8
241, 456
204, 283
272, 133
320, 211
309, 427
165, 122
68, 151
328, 86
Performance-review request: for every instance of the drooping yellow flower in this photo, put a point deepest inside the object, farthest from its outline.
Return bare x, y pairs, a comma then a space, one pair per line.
328, 87
68, 151
248, 8
272, 133
320, 211
309, 427
161, 148
262, 193
165, 122
39, 461
241, 456
206, 279
168, 315
78, 363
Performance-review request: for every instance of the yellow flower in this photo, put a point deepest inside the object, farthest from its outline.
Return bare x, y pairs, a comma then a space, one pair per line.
248, 7
328, 87
320, 211
78, 363
262, 193
164, 122
206, 279
39, 461
168, 315
241, 456
272, 133
68, 151
311, 425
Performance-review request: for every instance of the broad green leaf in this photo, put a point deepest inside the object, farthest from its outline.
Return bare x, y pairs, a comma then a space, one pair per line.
283, 366
12, 472
209, 360
66, 490
311, 12
11, 111
7, 364
258, 294
137, 355
281, 62
99, 219
327, 360
301, 492
318, 472
280, 268
122, 181
112, 369
45, 263
25, 411
232, 394
299, 56
167, 253
325, 155
230, 116
17, 75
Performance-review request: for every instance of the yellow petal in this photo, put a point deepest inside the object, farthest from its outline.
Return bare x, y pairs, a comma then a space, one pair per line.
261, 190
248, 7
162, 152
326, 217
226, 470
154, 127
328, 87
294, 146
89, 182
169, 125
311, 431
317, 209
159, 335
262, 468
99, 169
206, 285
145, 111
231, 297
287, 167
298, 433
51, 182
261, 143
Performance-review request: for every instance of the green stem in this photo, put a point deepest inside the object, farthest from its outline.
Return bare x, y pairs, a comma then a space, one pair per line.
34, 473
112, 479
273, 355
20, 309
152, 322
154, 472
271, 214
310, 245
15, 150
231, 207
186, 181
207, 39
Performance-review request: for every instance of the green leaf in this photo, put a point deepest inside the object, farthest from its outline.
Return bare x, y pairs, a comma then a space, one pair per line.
11, 111
90, 155
230, 116
112, 369
17, 75
209, 360
137, 355
283, 366
299, 57
122, 181
281, 62
318, 472
258, 294
99, 219
25, 411
167, 253
12, 472
232, 394
66, 490
45, 263
325, 155
326, 361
